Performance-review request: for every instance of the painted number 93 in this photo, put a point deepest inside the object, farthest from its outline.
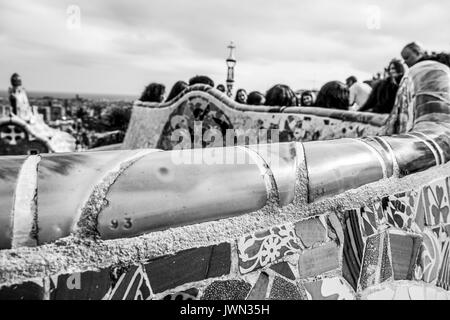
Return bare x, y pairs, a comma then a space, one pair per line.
126, 223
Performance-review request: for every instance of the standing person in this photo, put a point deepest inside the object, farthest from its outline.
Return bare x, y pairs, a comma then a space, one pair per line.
18, 99
241, 96
358, 93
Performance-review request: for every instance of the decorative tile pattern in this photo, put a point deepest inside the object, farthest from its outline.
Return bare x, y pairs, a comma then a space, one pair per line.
311, 231
227, 290
353, 248
260, 288
369, 220
318, 260
89, 285
258, 250
400, 208
405, 291
132, 284
404, 252
284, 290
190, 294
436, 198
24, 291
283, 269
444, 272
430, 258
334, 224
376, 267
329, 289
189, 266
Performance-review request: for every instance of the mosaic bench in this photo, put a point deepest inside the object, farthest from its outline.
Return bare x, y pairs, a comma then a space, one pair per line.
351, 218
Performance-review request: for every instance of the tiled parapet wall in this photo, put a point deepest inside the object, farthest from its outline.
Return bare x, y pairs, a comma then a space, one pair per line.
152, 125
390, 247
18, 137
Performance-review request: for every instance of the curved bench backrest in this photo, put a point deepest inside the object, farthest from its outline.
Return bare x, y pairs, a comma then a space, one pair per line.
201, 112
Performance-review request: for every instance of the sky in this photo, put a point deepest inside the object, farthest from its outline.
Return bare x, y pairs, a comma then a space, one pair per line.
118, 47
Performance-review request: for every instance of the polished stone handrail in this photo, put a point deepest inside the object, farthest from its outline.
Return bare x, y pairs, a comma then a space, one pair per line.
118, 194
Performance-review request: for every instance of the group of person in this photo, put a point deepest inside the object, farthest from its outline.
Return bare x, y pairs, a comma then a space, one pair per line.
278, 95
377, 96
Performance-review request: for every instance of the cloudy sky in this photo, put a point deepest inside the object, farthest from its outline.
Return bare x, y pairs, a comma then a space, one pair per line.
120, 46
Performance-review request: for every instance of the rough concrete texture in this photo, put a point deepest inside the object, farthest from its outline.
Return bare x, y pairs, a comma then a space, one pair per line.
74, 254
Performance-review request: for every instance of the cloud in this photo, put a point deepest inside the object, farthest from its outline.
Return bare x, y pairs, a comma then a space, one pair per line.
123, 45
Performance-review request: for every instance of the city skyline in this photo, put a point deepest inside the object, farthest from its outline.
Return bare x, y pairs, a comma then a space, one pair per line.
118, 48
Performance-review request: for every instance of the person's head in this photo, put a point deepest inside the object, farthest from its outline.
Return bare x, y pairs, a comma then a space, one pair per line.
307, 99
221, 87
177, 88
412, 53
154, 92
351, 81
241, 96
256, 98
16, 81
396, 68
281, 95
333, 95
201, 80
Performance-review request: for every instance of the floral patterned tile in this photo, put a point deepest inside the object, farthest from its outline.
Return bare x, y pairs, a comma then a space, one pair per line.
260, 249
436, 200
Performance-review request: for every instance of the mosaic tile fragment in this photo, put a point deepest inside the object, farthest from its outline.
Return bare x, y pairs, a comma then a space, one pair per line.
284, 269
284, 290
260, 249
429, 259
311, 231
353, 248
376, 266
190, 294
25, 291
328, 289
88, 285
404, 252
132, 284
259, 290
318, 260
227, 290
189, 266
399, 209
436, 201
